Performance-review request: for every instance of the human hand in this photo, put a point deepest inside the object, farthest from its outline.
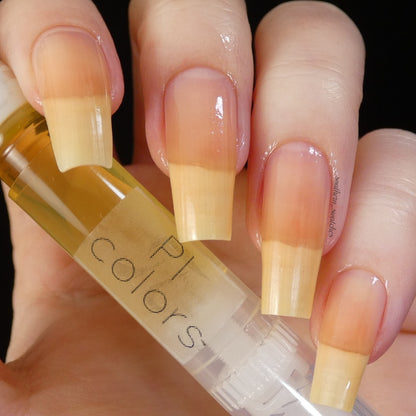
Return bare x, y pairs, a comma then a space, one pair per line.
54, 309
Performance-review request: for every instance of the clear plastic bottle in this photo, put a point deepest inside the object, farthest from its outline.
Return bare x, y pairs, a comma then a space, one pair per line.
181, 293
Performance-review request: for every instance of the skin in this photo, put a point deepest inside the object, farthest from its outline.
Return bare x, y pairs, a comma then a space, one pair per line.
73, 350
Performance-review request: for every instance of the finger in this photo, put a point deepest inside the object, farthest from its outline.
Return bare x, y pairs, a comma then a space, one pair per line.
309, 67
193, 65
65, 61
366, 284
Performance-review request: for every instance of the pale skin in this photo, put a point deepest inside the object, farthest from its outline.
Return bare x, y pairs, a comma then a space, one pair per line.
73, 350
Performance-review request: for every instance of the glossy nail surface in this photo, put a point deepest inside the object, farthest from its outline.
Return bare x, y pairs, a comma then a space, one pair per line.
294, 220
351, 320
201, 135
74, 87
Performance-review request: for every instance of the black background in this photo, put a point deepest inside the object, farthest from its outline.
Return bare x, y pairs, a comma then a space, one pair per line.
389, 33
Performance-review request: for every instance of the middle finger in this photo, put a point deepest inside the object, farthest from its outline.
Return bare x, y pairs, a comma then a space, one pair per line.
194, 60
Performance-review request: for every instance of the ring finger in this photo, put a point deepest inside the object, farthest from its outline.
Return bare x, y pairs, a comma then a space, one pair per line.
309, 67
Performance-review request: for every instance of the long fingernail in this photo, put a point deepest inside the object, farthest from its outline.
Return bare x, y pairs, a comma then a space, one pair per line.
350, 324
201, 134
74, 85
294, 220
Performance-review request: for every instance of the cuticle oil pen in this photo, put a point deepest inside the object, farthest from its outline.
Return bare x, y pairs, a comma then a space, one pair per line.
181, 294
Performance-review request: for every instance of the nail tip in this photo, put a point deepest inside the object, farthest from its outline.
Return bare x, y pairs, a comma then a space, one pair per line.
289, 279
201, 229
69, 156
337, 377
340, 403
66, 164
198, 234
201, 226
79, 137
271, 307
206, 214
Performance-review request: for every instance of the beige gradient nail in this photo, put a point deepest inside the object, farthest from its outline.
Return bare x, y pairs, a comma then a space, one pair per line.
294, 219
73, 81
201, 135
349, 328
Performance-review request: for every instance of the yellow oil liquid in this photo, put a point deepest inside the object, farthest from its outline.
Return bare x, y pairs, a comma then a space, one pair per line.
67, 205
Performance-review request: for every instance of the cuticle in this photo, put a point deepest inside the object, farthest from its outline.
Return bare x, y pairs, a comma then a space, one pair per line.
94, 35
187, 68
350, 267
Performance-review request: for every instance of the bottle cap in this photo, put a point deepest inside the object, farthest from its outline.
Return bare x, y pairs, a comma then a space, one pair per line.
11, 96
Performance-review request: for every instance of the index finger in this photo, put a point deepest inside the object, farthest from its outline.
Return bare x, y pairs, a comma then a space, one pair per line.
65, 61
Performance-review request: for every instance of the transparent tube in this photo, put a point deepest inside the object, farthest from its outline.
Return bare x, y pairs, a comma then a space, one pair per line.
181, 293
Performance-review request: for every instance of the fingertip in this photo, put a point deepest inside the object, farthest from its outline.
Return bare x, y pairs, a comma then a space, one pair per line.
35, 18
377, 240
67, 66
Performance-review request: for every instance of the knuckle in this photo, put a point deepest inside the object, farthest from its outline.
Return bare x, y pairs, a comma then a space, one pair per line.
389, 180
314, 43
